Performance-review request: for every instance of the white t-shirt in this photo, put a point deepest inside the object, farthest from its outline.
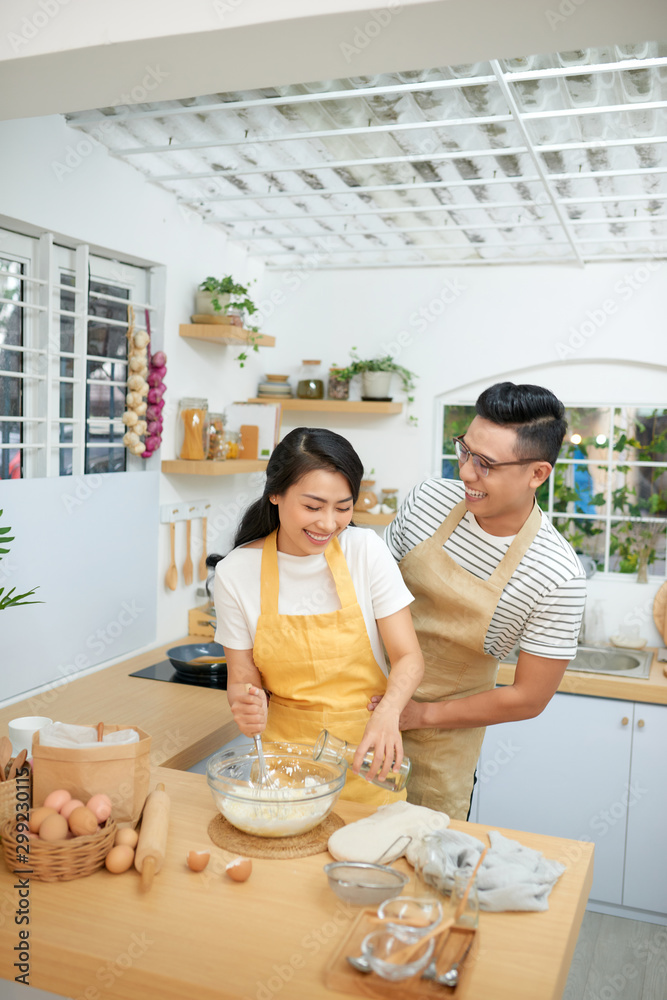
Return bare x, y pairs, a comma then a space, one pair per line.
307, 588
541, 606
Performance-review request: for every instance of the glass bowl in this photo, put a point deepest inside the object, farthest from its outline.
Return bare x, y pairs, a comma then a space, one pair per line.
362, 883
385, 954
417, 916
304, 791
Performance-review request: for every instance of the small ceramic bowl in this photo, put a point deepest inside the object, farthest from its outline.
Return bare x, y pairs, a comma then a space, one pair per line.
384, 952
628, 642
417, 916
362, 883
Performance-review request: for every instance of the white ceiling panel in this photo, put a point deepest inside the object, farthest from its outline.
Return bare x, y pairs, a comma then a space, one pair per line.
556, 158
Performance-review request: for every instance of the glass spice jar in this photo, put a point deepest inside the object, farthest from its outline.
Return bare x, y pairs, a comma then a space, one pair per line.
389, 501
191, 428
337, 388
310, 384
215, 433
233, 444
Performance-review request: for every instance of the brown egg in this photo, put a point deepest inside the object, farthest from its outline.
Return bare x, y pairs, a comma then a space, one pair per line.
119, 859
37, 817
100, 804
53, 828
197, 860
57, 799
69, 807
82, 822
239, 869
126, 835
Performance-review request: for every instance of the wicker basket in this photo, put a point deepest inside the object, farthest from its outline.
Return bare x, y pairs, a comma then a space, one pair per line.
61, 860
8, 801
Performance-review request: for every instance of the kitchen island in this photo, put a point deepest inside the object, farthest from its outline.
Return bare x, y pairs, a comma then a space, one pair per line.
203, 936
200, 935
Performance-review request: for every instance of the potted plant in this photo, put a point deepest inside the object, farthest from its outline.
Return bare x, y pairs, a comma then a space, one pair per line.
11, 599
224, 297
229, 302
376, 375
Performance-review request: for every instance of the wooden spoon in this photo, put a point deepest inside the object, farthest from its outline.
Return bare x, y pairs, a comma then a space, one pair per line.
6, 752
187, 565
202, 562
171, 577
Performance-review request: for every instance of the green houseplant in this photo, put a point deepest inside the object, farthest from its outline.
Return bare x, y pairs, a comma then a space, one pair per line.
376, 374
11, 599
226, 296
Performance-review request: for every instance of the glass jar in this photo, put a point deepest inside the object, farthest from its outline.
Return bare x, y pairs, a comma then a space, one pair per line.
389, 501
233, 444
337, 388
191, 429
310, 384
367, 499
215, 435
469, 916
329, 747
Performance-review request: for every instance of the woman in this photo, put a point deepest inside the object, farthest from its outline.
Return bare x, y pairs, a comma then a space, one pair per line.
304, 603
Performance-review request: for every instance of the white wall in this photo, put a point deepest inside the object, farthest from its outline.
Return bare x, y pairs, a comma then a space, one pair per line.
459, 328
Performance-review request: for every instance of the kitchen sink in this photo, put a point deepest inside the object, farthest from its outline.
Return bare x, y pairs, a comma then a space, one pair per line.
606, 660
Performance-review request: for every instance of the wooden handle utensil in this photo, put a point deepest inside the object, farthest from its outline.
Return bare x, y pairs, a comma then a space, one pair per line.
17, 764
202, 562
152, 844
187, 565
171, 577
6, 752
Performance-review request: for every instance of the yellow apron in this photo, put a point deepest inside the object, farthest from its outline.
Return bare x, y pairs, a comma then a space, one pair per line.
452, 612
320, 669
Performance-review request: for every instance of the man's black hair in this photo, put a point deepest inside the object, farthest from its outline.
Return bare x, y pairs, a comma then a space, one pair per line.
536, 415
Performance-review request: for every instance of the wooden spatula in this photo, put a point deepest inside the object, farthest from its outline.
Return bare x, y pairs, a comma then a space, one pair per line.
202, 562
6, 752
171, 577
187, 565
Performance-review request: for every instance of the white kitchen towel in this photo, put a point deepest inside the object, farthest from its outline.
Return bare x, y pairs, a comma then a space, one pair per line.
512, 877
398, 826
62, 734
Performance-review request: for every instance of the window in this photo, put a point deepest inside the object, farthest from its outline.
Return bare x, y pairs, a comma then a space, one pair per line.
63, 357
608, 492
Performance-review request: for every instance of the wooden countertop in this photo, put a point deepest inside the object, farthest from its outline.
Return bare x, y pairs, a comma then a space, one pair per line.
652, 689
201, 935
186, 723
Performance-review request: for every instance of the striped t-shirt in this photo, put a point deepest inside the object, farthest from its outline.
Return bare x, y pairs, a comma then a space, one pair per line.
542, 605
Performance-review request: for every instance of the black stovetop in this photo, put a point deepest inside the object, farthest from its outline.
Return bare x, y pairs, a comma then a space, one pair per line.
164, 671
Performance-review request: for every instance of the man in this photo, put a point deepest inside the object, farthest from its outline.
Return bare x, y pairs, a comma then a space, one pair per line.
487, 570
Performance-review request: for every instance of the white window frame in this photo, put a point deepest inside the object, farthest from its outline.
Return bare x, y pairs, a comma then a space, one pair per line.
608, 518
45, 260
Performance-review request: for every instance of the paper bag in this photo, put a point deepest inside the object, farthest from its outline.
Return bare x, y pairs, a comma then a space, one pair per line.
122, 772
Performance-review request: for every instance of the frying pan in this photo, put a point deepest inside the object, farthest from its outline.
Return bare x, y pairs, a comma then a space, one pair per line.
181, 658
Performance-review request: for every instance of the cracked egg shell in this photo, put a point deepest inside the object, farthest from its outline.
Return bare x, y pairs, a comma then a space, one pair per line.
239, 869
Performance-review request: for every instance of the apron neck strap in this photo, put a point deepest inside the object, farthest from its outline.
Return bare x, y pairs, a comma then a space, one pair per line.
516, 551
269, 581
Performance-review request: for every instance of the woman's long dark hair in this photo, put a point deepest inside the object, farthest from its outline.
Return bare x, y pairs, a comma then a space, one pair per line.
303, 450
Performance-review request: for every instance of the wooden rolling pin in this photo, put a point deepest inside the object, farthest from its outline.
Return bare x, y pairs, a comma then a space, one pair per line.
151, 847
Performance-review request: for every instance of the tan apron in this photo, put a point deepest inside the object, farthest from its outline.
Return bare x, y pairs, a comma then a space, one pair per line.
320, 669
452, 612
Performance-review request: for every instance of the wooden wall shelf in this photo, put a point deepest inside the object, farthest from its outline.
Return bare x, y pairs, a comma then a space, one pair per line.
333, 405
361, 517
223, 333
231, 467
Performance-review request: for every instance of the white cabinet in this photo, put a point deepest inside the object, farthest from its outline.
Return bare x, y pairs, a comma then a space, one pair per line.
565, 773
646, 857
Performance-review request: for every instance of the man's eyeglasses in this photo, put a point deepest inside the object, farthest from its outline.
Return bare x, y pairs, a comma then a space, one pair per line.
482, 465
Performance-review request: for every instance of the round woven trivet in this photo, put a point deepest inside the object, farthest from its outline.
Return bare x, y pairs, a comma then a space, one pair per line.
314, 841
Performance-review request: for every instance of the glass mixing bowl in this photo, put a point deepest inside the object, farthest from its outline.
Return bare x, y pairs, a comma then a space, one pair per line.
302, 791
